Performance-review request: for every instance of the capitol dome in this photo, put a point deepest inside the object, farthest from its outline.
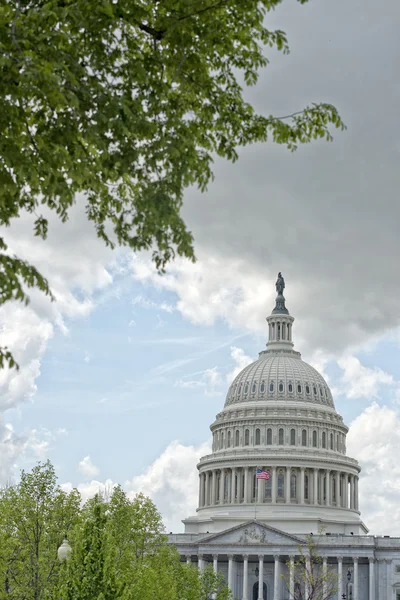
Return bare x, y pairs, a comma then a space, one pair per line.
279, 417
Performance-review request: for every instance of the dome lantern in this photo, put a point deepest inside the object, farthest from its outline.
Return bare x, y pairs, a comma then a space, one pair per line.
280, 321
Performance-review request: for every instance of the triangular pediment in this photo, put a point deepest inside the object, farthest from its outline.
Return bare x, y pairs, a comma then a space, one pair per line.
253, 533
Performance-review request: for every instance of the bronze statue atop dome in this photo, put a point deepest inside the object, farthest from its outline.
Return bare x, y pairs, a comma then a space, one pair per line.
280, 284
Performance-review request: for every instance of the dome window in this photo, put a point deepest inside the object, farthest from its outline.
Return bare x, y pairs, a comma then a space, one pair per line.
237, 437
246, 388
262, 387
269, 437
307, 389
271, 386
280, 437
299, 389
229, 439
315, 390
290, 388
321, 391
331, 441
323, 439
292, 437
221, 443
258, 437
246, 437
314, 439
304, 438
281, 387
253, 388
240, 389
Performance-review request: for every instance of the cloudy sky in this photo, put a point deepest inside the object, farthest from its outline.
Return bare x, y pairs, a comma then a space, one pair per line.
121, 377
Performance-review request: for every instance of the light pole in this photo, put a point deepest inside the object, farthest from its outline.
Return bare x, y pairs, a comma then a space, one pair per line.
64, 551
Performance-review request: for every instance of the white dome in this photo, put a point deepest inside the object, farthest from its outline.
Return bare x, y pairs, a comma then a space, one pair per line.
276, 377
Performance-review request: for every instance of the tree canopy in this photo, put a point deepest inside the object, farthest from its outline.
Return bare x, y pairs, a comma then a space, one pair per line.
123, 104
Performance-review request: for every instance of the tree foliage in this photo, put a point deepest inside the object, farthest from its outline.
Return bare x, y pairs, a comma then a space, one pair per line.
125, 102
311, 580
35, 516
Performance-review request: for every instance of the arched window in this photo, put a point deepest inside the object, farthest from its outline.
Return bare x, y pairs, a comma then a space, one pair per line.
290, 388
323, 439
278, 337
262, 387
222, 440
269, 437
218, 487
321, 391
237, 437
299, 389
253, 388
306, 487
229, 439
246, 388
293, 486
307, 389
246, 437
315, 390
331, 441
293, 437
304, 438
280, 437
271, 386
337, 443
258, 437
240, 389
314, 439
281, 387
226, 488
268, 488
333, 489
281, 484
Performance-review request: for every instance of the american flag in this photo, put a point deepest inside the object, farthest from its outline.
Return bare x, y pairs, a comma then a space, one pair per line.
260, 474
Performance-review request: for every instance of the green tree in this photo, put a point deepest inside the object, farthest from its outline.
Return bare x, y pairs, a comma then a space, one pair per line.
311, 580
35, 516
127, 102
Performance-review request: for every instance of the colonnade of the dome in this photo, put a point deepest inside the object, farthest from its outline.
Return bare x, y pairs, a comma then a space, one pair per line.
286, 485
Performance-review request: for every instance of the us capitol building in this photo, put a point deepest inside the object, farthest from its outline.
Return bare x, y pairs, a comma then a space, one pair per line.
279, 416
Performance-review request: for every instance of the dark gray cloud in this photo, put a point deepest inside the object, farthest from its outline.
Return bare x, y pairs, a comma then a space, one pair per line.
327, 215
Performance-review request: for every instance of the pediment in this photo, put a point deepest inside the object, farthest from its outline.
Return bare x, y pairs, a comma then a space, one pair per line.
253, 533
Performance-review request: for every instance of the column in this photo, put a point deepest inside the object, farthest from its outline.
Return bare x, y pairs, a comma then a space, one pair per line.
315, 487
201, 490
338, 502
230, 571
291, 576
245, 576
260, 490
355, 564
215, 563
188, 559
307, 577
222, 486
345, 490
356, 493
239, 473
340, 574
207, 493
371, 580
287, 491
302, 484
324, 576
352, 491
213, 486
276, 577
261, 577
200, 563
233, 486
246, 484
328, 487
388, 579
228, 486
274, 486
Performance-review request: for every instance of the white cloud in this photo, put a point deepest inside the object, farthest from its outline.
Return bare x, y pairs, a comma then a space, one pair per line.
374, 439
87, 468
359, 381
209, 380
241, 360
91, 488
172, 482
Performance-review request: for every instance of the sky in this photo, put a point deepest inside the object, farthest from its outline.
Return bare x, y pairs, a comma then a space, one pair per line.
121, 377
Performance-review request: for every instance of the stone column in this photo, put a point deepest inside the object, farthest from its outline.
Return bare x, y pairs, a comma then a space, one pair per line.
222, 487
261, 577
246, 484
338, 498
328, 487
345, 490
340, 575
260, 490
291, 577
188, 559
207, 492
213, 488
245, 576
274, 485
276, 577
200, 563
352, 491
230, 571
215, 563
302, 484
201, 490
355, 564
233, 486
229, 486
356, 493
315, 487
239, 485
371, 580
324, 575
307, 577
388, 579
287, 492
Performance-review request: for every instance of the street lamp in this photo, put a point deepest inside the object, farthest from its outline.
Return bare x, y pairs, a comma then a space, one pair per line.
64, 551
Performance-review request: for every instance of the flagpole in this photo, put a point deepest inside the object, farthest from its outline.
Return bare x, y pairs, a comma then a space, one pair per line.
255, 503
